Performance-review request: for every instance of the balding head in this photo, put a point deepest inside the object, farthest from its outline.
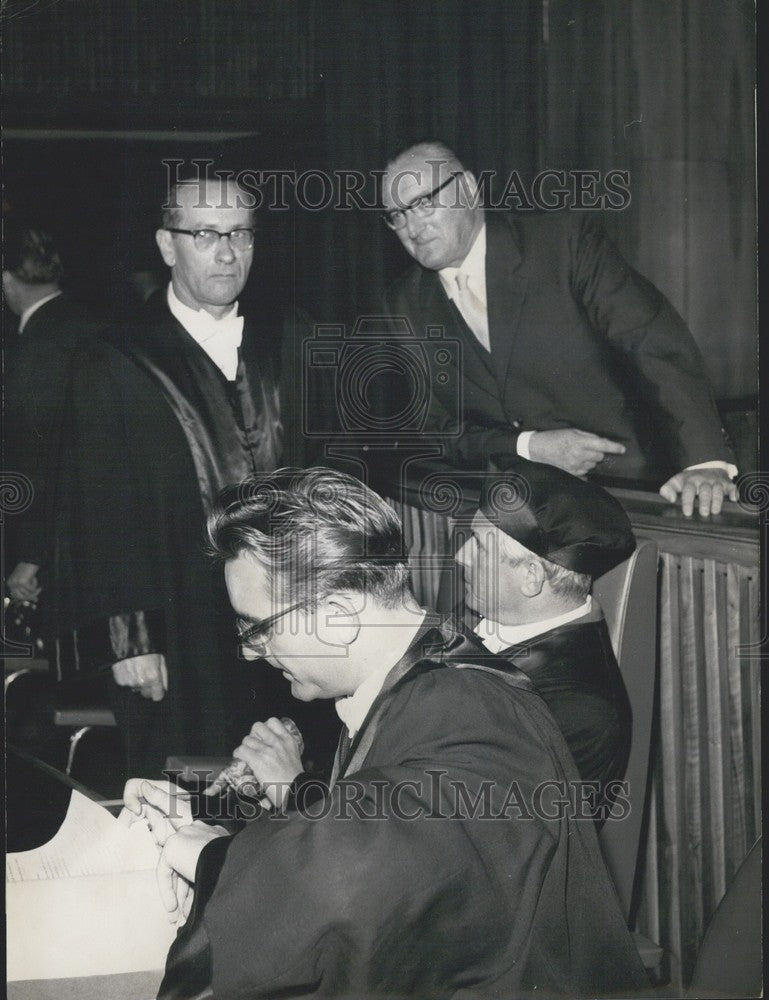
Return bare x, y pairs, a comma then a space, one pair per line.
431, 203
212, 278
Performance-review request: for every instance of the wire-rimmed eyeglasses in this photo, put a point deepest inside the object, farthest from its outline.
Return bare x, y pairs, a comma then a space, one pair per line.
207, 239
255, 637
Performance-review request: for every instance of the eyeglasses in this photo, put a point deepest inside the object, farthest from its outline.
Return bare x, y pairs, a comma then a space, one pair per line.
255, 637
421, 206
207, 239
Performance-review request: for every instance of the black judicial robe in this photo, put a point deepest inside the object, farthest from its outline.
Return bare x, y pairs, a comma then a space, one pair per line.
574, 669
155, 431
397, 889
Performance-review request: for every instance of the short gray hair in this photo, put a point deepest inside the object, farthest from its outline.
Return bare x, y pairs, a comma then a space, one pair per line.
563, 582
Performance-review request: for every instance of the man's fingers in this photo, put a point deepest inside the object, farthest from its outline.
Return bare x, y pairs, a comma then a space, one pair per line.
590, 458
160, 825
602, 444
126, 817
164, 796
132, 796
187, 905
120, 673
671, 488
163, 799
262, 732
166, 879
706, 489
277, 727
612, 447
156, 690
183, 899
710, 497
688, 493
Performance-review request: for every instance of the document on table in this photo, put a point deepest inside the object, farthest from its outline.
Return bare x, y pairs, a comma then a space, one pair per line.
86, 903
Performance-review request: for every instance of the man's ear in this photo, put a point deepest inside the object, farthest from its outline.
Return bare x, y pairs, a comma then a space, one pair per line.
165, 243
530, 575
533, 578
338, 620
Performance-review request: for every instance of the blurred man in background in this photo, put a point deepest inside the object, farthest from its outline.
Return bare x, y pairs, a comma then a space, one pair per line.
37, 362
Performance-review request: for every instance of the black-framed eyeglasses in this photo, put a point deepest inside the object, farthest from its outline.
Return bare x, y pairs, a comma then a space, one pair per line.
423, 205
256, 636
207, 239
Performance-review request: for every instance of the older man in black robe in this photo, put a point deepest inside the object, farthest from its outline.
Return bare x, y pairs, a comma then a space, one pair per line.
162, 417
537, 541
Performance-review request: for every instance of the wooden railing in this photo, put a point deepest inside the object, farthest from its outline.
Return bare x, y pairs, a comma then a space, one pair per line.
705, 796
705, 802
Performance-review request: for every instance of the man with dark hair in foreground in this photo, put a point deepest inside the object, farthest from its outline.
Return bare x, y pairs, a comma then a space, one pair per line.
445, 859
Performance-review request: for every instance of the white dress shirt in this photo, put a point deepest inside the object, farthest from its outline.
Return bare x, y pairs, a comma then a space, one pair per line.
219, 338
496, 637
353, 709
33, 308
473, 269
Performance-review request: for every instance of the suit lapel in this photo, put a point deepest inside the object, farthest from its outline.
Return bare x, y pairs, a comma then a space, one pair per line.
505, 291
477, 364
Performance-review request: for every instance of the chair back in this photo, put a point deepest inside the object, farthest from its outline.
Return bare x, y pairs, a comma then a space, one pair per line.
730, 963
628, 596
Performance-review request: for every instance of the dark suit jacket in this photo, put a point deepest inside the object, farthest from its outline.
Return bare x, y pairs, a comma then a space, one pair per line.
38, 366
578, 339
391, 891
575, 672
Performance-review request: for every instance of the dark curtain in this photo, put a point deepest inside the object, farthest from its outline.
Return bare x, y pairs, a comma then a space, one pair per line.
664, 89
396, 73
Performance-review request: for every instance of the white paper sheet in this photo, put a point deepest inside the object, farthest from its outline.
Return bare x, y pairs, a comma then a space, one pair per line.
90, 841
86, 926
86, 903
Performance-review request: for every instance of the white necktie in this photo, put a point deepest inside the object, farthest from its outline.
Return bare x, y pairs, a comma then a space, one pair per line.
473, 309
220, 339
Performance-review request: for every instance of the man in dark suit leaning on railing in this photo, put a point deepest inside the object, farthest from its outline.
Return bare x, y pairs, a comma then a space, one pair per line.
538, 540
568, 356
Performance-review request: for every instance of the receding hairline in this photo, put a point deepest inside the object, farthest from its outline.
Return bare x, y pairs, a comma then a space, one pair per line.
424, 152
209, 190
